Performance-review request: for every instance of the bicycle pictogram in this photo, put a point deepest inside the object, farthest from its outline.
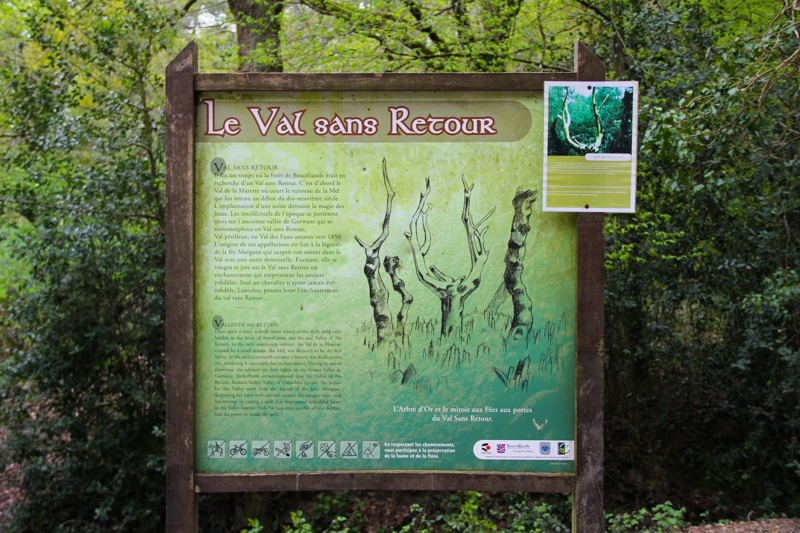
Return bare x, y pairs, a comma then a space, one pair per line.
239, 449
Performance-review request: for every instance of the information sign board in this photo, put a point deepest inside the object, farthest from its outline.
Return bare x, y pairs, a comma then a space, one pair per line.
377, 286
363, 291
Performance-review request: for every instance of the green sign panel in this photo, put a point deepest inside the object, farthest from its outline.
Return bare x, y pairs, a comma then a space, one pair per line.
377, 286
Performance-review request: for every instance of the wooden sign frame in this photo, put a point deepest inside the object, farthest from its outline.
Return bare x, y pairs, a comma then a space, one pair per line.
183, 84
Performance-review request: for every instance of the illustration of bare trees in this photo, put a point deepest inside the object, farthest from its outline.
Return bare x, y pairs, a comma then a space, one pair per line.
566, 120
378, 295
453, 292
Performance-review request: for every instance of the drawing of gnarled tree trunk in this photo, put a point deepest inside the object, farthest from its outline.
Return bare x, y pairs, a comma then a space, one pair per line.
452, 292
566, 120
520, 227
512, 284
391, 264
378, 295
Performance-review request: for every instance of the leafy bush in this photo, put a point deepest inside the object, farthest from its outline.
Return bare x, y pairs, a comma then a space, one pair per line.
701, 379
462, 512
663, 518
82, 386
536, 517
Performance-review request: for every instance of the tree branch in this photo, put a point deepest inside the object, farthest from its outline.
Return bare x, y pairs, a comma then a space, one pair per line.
602, 15
378, 295
477, 249
378, 29
390, 264
425, 28
78, 210
566, 120
520, 227
429, 277
375, 247
464, 33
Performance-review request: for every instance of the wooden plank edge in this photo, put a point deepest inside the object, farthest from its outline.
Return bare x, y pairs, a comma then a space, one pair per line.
384, 480
523, 81
182, 505
587, 66
587, 502
589, 446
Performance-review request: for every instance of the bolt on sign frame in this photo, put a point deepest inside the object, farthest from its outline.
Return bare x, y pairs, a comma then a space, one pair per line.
190, 470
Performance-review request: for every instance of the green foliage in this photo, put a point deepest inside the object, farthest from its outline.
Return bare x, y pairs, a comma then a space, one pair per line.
525, 516
337, 505
463, 512
479, 513
389, 36
469, 519
299, 524
703, 365
420, 522
254, 526
703, 392
663, 518
327, 514
431, 35
82, 386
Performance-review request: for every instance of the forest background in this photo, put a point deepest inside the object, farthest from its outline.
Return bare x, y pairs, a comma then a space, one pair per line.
702, 288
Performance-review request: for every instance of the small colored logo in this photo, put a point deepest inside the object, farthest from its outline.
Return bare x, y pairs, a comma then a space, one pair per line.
562, 448
485, 447
544, 448
501, 448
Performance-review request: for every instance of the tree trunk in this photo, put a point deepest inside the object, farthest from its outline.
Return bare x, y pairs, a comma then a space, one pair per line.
258, 28
448, 289
378, 299
452, 315
599, 133
378, 295
520, 227
390, 264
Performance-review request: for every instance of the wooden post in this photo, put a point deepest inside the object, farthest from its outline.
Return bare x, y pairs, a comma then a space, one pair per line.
181, 497
587, 501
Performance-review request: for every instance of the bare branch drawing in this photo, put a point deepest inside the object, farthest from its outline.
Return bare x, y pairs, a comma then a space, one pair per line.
390, 264
378, 295
520, 227
452, 292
